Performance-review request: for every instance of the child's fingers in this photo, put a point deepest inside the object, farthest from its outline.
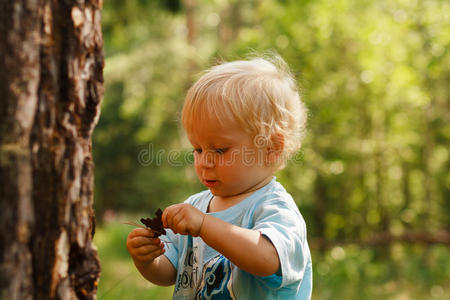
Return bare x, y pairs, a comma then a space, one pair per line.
178, 224
146, 258
171, 215
147, 249
140, 241
140, 236
146, 253
168, 214
151, 243
177, 219
165, 216
141, 232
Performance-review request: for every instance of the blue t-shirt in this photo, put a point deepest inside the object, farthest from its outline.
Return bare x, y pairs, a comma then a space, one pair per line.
203, 273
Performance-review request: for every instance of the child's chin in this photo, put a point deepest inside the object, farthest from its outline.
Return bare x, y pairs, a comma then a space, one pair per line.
219, 193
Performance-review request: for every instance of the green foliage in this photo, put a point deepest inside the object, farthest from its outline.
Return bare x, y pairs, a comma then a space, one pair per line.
374, 76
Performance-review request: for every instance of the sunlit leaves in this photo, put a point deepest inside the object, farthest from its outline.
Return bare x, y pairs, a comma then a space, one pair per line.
374, 75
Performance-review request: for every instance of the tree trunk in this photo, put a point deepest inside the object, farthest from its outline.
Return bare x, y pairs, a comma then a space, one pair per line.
51, 85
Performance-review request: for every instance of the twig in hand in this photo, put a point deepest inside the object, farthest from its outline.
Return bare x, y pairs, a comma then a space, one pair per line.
157, 233
153, 224
135, 225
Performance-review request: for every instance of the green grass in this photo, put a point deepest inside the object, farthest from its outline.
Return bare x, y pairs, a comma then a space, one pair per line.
408, 272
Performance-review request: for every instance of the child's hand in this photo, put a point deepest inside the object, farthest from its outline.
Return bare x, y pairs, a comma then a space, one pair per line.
183, 218
143, 247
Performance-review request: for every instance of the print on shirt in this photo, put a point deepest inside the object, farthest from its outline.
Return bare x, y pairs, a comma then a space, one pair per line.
188, 279
216, 280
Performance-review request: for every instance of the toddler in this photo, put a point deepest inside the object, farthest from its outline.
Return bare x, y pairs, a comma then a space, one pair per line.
243, 237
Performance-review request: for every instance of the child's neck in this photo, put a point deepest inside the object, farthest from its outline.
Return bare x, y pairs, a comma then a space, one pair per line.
219, 203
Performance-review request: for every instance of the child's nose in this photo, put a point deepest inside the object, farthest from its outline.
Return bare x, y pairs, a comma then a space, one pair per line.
206, 159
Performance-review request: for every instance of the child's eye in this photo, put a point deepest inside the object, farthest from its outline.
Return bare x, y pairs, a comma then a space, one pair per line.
221, 150
198, 150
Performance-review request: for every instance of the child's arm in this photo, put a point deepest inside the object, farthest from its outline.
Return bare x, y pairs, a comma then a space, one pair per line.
146, 252
245, 248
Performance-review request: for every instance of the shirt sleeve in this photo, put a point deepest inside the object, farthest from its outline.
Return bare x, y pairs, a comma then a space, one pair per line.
280, 221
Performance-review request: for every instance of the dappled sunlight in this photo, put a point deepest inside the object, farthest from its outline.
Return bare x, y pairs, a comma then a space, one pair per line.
371, 177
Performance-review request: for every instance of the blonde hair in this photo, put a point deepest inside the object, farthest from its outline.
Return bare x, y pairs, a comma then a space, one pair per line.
259, 94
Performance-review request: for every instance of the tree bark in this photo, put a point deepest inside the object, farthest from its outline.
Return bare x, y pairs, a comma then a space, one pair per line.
51, 84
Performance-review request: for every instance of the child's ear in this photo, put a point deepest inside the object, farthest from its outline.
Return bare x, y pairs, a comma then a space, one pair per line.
275, 150
278, 143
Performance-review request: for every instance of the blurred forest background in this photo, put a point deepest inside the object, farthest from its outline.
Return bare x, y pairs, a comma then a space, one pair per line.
372, 178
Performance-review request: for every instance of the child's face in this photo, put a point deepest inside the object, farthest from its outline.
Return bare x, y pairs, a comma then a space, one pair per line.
226, 158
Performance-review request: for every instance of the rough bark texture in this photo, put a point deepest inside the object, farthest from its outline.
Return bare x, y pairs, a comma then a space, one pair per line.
51, 85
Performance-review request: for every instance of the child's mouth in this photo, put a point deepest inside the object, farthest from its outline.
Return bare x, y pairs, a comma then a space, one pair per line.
210, 183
